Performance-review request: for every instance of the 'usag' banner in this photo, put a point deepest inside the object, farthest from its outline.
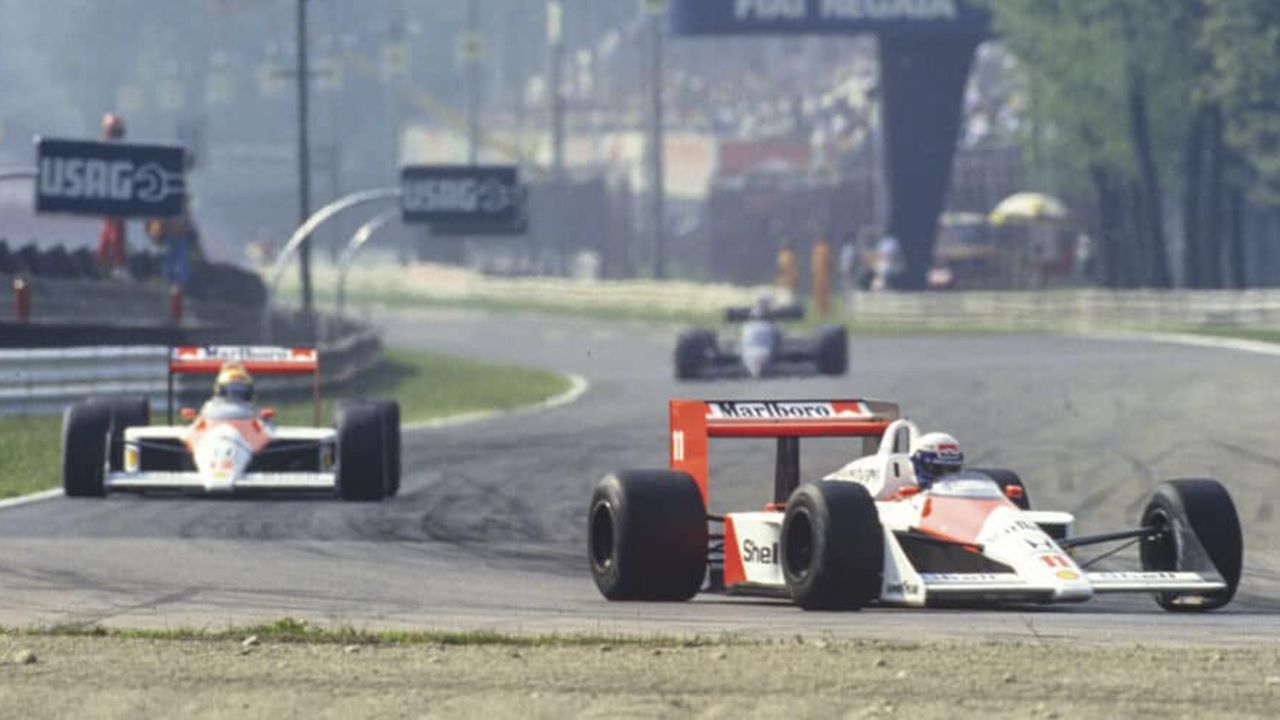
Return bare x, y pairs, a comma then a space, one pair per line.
109, 179
464, 199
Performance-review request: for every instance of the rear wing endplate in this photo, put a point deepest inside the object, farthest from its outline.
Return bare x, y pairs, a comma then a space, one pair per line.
694, 422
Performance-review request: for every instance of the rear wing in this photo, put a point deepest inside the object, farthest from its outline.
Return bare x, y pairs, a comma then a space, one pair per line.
694, 422
256, 359
783, 312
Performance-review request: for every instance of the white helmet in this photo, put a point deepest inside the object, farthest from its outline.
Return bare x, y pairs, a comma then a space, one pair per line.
935, 455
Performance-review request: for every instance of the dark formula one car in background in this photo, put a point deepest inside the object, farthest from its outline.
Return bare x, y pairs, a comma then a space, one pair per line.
869, 533
760, 347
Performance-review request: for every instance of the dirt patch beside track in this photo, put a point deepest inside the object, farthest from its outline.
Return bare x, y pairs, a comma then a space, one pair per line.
124, 677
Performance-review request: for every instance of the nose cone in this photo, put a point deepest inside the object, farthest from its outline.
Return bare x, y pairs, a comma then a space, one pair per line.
221, 458
755, 359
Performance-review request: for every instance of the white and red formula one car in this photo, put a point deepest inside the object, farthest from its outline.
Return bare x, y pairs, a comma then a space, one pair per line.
868, 533
230, 445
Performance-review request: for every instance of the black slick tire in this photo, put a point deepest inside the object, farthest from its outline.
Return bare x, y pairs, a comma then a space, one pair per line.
832, 546
692, 350
362, 452
647, 536
1007, 479
1201, 533
125, 413
833, 350
84, 449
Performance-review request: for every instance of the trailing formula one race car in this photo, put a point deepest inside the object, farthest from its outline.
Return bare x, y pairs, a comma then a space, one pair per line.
896, 526
230, 445
760, 347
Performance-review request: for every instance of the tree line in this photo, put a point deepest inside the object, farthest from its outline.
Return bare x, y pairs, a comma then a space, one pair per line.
1163, 109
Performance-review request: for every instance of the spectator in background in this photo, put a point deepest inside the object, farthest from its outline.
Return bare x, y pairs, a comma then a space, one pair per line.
788, 274
179, 239
820, 266
889, 263
848, 267
113, 239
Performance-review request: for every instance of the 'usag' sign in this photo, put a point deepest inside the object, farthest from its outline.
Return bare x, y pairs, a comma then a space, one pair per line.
110, 179
463, 199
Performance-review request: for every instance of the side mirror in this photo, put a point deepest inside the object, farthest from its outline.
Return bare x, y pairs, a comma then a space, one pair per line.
267, 413
188, 414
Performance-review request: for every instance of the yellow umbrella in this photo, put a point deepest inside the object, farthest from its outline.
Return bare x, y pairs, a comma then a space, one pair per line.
1028, 206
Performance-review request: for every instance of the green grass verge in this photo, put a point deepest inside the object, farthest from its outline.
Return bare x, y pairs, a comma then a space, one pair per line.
427, 385
1269, 335
291, 630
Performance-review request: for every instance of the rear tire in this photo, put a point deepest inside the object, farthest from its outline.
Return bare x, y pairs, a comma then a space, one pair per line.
362, 451
1006, 479
692, 350
85, 427
647, 536
1202, 535
832, 546
833, 350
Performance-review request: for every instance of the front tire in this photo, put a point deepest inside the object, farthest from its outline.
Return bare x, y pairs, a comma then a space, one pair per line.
362, 452
832, 546
85, 427
1201, 533
647, 536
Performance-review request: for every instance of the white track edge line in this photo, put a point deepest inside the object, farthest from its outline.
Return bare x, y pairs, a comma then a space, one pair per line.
578, 386
1256, 347
29, 498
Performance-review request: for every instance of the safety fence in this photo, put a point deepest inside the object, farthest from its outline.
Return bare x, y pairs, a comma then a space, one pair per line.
1068, 309
44, 380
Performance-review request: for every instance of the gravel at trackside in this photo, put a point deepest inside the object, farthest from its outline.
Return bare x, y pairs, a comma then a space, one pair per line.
129, 678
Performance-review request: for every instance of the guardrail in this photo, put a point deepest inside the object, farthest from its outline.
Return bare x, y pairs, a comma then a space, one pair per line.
40, 381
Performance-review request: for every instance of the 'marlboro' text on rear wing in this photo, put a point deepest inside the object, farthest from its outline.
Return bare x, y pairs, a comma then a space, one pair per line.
256, 359
693, 422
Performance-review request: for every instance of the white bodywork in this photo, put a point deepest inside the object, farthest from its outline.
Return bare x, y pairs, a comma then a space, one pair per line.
221, 455
1038, 568
758, 341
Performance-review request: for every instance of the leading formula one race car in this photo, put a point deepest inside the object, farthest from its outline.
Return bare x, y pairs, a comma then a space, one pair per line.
760, 347
842, 542
230, 445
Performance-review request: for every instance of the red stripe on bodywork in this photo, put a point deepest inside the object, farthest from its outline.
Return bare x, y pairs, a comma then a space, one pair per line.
734, 573
957, 519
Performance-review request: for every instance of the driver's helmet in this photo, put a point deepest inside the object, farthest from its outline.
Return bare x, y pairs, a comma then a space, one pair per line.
935, 455
234, 383
760, 310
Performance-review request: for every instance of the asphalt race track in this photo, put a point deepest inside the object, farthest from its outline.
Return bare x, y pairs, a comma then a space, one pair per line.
488, 529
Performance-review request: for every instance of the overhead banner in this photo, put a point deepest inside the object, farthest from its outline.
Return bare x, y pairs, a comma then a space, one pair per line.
464, 199
828, 17
109, 179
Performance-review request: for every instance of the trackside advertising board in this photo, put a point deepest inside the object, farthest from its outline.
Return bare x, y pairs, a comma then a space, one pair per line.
464, 199
828, 17
109, 179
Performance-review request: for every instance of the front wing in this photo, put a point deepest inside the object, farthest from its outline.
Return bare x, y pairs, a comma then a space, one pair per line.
282, 481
